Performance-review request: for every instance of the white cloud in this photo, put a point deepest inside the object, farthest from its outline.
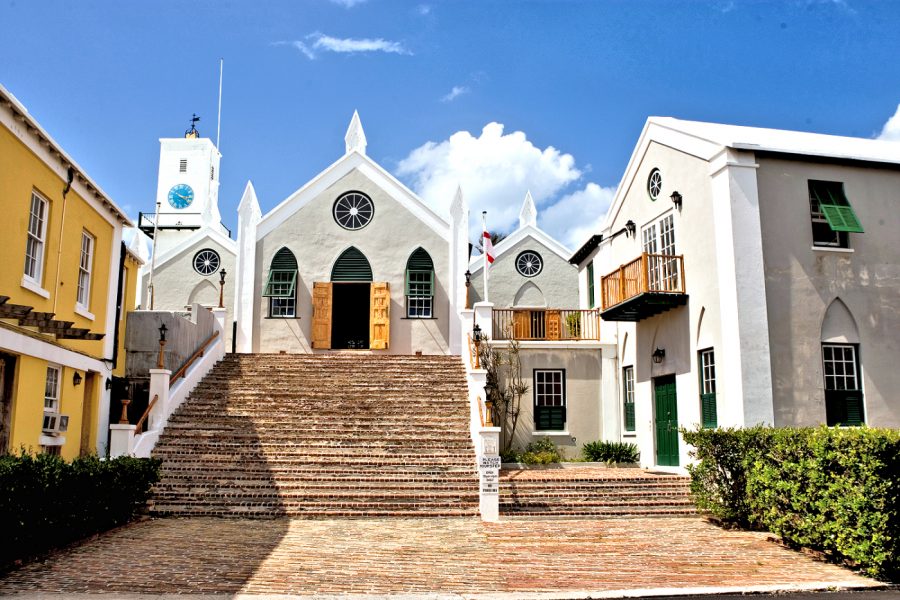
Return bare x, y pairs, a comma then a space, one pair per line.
423, 9
495, 171
456, 92
319, 42
891, 129
577, 216
348, 3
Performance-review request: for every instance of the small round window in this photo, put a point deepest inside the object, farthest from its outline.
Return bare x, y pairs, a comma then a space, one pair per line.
206, 262
353, 210
529, 263
654, 184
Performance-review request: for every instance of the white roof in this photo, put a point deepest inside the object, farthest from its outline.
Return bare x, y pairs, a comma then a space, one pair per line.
790, 142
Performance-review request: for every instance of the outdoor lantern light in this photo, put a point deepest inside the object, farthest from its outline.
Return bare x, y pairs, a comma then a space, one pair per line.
162, 332
676, 199
468, 278
222, 288
658, 355
108, 383
222, 275
476, 339
630, 227
76, 378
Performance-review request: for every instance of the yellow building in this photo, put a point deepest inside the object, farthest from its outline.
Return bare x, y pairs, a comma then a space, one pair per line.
62, 270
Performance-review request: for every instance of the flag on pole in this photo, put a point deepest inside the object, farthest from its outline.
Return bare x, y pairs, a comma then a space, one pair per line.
487, 249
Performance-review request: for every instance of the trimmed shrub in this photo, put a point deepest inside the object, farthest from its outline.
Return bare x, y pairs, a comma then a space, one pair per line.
832, 489
46, 502
541, 452
611, 452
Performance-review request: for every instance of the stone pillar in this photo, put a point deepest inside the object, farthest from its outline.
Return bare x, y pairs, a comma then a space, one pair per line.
489, 474
121, 440
484, 318
159, 386
219, 346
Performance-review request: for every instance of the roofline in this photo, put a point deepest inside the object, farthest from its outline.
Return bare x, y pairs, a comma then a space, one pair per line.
35, 128
586, 248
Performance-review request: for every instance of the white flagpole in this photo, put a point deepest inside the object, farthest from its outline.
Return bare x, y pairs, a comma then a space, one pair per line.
487, 264
219, 118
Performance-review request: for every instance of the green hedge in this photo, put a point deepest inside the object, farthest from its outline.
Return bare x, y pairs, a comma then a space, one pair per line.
831, 489
611, 452
46, 502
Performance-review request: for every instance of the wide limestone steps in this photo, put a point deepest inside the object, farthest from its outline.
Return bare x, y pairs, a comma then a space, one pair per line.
328, 435
599, 493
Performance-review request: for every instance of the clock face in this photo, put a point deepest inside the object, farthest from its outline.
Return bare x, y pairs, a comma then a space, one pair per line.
181, 195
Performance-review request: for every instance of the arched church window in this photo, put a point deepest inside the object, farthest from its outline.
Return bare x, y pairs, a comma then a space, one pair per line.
353, 210
281, 286
841, 367
419, 285
206, 262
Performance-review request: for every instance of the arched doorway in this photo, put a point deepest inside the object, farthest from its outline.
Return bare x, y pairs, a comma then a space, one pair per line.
351, 279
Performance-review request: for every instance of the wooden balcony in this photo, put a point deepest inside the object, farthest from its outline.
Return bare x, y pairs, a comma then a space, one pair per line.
546, 324
649, 285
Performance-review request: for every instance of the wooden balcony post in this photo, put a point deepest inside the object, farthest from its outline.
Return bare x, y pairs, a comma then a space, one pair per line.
683, 284
645, 273
621, 294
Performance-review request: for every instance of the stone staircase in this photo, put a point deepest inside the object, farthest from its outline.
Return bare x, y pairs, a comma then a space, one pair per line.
323, 435
593, 492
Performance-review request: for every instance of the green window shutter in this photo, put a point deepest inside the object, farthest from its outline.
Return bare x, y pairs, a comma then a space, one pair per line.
549, 418
352, 265
841, 218
708, 410
854, 410
284, 261
281, 284
629, 416
590, 276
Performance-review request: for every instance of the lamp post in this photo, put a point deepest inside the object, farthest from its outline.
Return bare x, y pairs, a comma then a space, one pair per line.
489, 388
468, 283
222, 274
160, 361
476, 339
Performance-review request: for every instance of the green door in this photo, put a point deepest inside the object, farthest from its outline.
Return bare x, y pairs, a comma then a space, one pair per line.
666, 421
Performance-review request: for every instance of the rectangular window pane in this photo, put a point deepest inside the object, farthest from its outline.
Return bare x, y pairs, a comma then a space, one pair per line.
590, 282
549, 400
839, 362
281, 284
708, 410
823, 193
84, 269
51, 390
34, 245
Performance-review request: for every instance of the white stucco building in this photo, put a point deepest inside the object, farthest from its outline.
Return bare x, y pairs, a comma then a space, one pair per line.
747, 276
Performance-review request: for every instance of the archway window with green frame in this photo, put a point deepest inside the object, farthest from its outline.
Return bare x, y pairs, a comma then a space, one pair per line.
281, 286
419, 285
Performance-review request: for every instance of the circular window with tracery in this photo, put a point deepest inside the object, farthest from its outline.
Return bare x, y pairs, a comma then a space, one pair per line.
353, 210
529, 263
654, 184
206, 262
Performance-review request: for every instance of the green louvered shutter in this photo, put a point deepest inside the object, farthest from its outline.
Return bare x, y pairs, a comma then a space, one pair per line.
841, 218
282, 279
352, 265
854, 408
549, 418
708, 409
629, 416
422, 283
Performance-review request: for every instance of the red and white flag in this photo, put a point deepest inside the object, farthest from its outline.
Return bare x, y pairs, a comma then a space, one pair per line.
488, 249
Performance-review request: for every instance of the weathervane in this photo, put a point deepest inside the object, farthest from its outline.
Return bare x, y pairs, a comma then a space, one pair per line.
192, 132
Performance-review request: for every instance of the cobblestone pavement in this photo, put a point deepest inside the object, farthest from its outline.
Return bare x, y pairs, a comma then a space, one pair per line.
381, 556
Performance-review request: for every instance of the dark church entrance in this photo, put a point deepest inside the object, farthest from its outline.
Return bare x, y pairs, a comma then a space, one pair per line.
350, 316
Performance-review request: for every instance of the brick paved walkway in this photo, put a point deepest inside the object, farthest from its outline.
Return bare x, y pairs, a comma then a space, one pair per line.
208, 555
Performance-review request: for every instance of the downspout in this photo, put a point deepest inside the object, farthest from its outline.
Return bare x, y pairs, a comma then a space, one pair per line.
119, 300
70, 177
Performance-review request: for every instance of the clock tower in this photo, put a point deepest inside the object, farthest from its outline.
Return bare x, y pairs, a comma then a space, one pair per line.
187, 194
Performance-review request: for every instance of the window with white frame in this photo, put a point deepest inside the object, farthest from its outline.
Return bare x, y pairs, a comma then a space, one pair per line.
658, 241
549, 399
628, 397
281, 286
84, 270
51, 396
843, 390
37, 233
419, 285
708, 412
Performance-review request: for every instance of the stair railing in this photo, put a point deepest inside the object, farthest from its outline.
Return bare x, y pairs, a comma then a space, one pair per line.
190, 361
139, 428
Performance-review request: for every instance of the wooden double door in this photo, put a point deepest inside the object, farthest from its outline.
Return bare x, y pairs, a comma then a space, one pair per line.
351, 315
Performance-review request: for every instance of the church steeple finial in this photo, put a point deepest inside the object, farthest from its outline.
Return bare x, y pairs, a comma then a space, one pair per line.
192, 133
528, 214
356, 137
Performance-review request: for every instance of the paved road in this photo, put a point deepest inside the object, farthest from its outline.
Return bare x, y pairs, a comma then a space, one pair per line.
448, 558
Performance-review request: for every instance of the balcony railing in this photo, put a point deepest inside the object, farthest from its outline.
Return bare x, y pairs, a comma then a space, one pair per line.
546, 324
655, 273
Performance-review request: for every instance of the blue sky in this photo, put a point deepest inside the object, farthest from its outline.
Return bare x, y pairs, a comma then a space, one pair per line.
577, 80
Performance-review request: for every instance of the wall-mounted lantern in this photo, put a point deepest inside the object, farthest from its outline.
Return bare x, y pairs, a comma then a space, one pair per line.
630, 227
76, 379
658, 355
676, 199
222, 288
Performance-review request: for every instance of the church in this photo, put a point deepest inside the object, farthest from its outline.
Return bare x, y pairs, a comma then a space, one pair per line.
351, 260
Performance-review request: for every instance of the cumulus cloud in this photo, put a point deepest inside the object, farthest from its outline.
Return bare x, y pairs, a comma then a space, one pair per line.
320, 42
495, 170
456, 92
891, 129
578, 215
